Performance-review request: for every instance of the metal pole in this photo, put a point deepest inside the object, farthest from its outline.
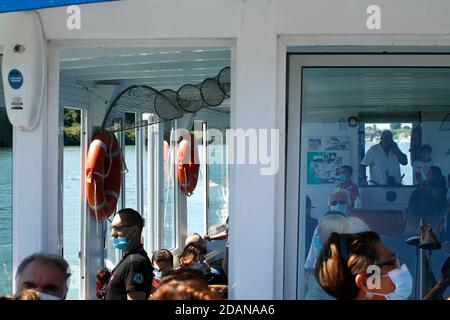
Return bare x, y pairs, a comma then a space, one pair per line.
150, 238
205, 177
159, 166
139, 144
122, 146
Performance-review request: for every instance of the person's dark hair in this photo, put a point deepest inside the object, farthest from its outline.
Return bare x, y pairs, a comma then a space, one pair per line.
342, 258
184, 284
162, 255
190, 253
131, 217
436, 171
183, 274
426, 147
101, 282
348, 168
47, 258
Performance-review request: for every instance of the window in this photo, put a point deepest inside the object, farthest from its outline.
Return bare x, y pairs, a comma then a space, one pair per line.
168, 193
401, 135
342, 113
218, 179
6, 168
71, 203
196, 201
130, 162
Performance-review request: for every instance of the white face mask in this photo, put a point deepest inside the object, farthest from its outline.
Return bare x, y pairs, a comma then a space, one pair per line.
403, 281
46, 296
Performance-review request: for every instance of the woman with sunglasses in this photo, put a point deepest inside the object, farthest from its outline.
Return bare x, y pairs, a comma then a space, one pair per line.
360, 266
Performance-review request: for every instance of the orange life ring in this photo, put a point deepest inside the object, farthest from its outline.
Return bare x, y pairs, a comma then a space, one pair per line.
103, 175
188, 164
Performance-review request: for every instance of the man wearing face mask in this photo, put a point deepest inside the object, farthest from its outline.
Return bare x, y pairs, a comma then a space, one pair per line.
132, 277
344, 179
339, 201
46, 273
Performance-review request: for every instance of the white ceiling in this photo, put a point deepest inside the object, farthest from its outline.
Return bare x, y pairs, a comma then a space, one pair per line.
376, 88
160, 68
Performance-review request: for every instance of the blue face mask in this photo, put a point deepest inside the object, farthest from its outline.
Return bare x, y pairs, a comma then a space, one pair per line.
158, 274
316, 242
342, 177
121, 243
340, 208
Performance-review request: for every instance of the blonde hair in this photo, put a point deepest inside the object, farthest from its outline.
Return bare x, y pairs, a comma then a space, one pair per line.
333, 223
356, 225
28, 294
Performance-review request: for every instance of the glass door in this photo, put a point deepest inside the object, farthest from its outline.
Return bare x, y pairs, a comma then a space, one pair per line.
364, 133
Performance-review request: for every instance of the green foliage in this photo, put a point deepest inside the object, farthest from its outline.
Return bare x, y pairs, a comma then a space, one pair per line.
72, 120
395, 126
130, 137
71, 116
72, 135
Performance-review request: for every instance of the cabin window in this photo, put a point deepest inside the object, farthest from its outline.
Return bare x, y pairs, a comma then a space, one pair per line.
6, 167
196, 201
167, 173
218, 173
401, 135
72, 203
129, 153
344, 111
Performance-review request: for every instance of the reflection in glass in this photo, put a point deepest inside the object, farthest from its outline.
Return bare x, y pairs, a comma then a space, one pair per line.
409, 102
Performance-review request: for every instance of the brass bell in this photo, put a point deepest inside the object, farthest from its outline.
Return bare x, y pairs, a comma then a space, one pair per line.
428, 240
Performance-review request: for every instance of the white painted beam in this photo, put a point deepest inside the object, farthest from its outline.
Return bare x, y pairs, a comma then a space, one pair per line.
252, 214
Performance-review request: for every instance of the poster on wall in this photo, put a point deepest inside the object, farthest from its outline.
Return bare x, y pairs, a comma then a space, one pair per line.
324, 156
329, 143
322, 165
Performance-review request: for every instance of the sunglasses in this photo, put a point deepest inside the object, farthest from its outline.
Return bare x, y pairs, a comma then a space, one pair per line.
340, 202
119, 228
390, 262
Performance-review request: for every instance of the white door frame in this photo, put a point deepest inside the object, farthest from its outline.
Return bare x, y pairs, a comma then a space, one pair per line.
294, 255
89, 260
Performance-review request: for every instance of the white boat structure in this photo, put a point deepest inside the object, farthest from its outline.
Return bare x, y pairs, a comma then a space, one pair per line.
304, 77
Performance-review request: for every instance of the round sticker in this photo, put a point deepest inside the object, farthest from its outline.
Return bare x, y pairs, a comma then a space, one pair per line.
15, 79
138, 278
